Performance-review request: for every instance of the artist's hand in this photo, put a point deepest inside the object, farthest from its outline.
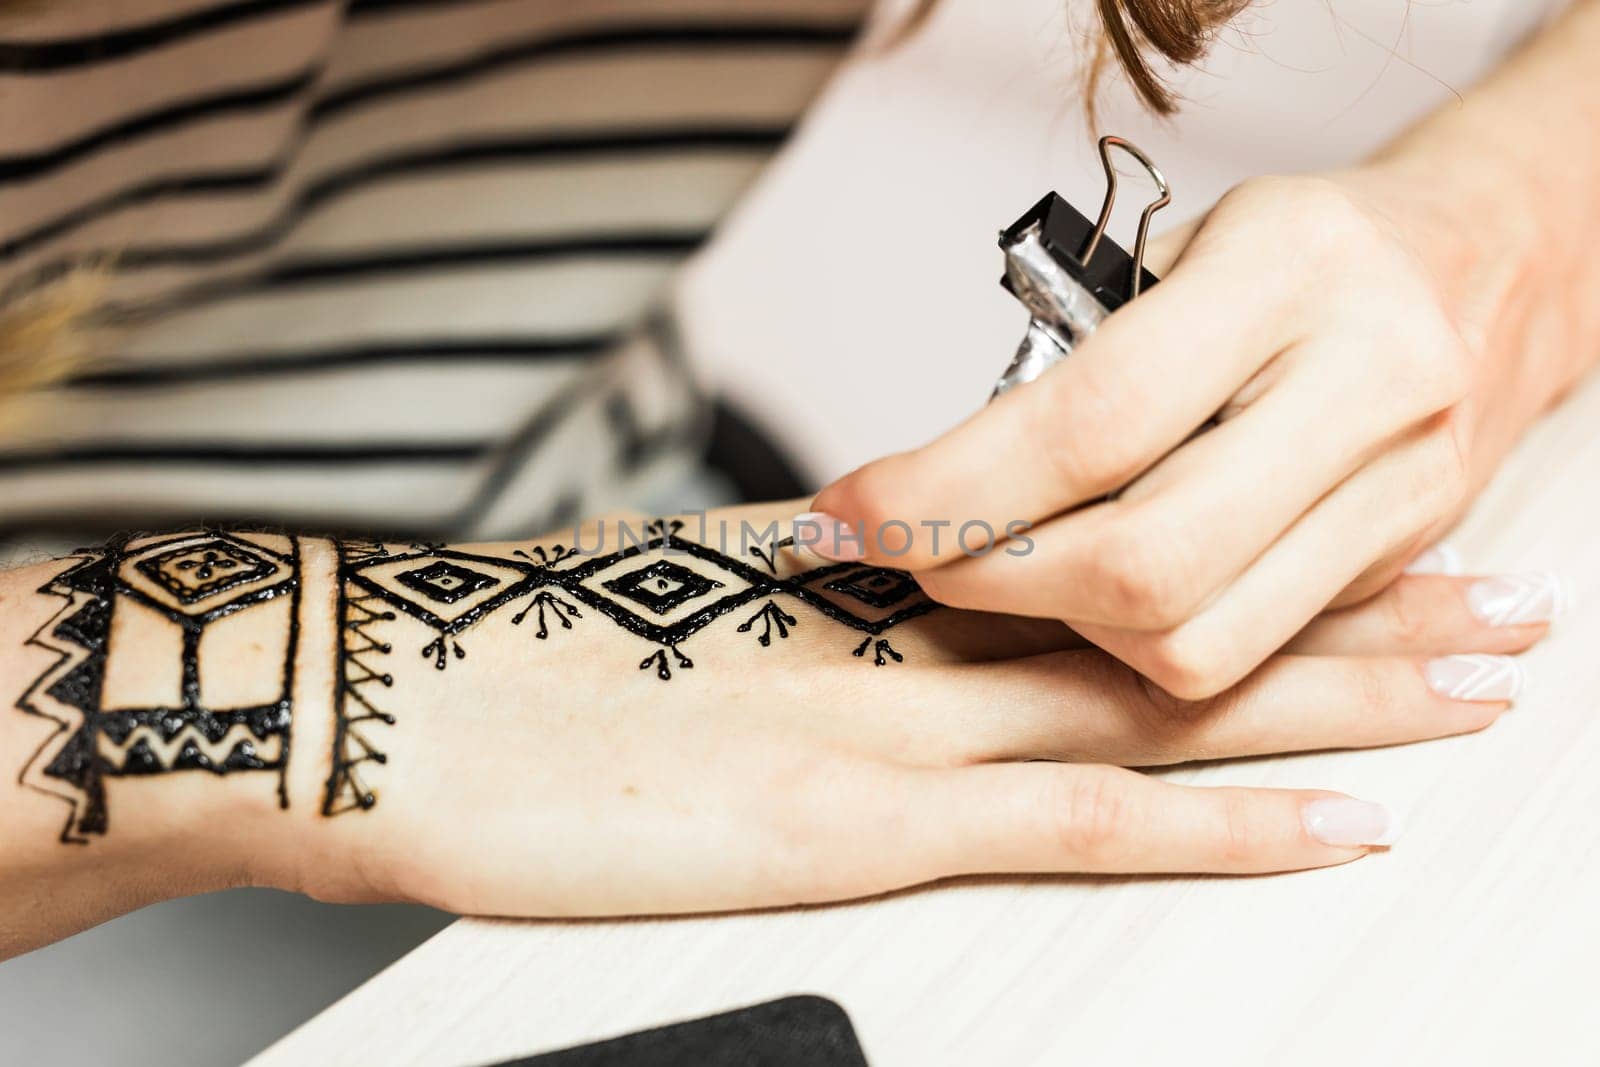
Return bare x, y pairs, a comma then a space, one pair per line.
1372, 357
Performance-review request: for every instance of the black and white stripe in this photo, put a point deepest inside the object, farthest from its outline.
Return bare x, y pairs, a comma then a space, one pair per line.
379, 263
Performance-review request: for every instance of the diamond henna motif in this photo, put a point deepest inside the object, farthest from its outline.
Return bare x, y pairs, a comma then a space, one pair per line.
446, 583
658, 598
877, 587
448, 591
194, 572
870, 599
662, 586
203, 577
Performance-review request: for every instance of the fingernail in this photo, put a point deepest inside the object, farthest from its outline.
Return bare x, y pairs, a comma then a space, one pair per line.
828, 537
1476, 677
1440, 559
1349, 823
1516, 599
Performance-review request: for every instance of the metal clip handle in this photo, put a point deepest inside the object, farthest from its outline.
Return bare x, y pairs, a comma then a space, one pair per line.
1066, 293
1107, 143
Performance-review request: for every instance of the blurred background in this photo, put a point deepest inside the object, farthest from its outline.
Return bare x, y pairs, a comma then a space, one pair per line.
207, 980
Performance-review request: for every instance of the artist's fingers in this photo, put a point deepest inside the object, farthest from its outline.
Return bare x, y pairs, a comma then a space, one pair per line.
1043, 817
1085, 707
1153, 558
1200, 517
1419, 614
1369, 516
1140, 385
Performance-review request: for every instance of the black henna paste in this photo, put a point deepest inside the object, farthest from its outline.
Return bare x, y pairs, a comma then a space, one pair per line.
189, 583
664, 590
357, 680
642, 588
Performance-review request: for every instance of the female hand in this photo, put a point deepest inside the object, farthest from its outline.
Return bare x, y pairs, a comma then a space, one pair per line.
556, 777
1369, 343
674, 726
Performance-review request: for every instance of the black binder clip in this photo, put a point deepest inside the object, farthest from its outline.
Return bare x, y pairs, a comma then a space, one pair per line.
1068, 274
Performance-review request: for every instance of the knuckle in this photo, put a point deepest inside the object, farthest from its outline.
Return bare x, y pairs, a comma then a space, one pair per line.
1264, 193
1371, 691
1408, 613
1321, 213
1246, 832
1247, 193
1334, 220
1188, 664
1146, 574
1431, 365
1377, 704
1091, 813
1171, 729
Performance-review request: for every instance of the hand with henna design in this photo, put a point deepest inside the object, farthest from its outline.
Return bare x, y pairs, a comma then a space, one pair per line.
690, 727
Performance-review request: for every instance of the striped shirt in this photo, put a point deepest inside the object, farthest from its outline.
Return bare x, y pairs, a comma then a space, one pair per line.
389, 265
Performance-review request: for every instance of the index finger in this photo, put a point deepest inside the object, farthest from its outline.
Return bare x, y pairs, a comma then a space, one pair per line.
1153, 373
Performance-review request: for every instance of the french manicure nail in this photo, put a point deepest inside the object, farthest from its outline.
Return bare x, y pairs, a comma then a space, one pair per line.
1517, 599
1349, 823
828, 537
1440, 559
1476, 677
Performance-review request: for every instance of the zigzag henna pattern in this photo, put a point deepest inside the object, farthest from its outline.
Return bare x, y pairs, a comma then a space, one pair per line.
112, 722
640, 588
355, 713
